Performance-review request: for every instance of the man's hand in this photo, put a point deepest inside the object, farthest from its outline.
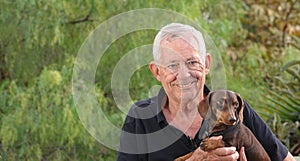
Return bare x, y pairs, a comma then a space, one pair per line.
225, 153
242, 154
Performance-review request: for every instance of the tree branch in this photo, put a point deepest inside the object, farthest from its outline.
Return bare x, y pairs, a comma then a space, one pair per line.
85, 19
286, 22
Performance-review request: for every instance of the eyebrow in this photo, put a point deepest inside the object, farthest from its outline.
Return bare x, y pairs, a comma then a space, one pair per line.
172, 61
192, 58
188, 59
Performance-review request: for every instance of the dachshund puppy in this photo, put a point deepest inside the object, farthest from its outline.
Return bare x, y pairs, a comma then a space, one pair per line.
222, 111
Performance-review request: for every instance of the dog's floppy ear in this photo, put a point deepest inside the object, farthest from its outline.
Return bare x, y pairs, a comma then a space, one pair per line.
241, 106
204, 105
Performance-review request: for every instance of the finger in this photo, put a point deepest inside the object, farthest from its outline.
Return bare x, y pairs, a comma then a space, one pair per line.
242, 154
224, 151
231, 157
234, 156
198, 154
216, 137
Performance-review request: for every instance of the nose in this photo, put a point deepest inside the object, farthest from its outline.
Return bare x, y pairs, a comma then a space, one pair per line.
183, 71
232, 120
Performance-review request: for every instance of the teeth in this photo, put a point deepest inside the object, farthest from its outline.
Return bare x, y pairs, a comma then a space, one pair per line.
182, 85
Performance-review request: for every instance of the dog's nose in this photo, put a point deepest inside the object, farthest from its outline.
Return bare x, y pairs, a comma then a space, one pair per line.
232, 120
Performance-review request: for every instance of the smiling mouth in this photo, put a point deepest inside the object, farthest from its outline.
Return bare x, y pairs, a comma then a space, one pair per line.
183, 85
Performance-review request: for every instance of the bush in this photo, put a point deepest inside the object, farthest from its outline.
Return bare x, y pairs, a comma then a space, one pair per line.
39, 122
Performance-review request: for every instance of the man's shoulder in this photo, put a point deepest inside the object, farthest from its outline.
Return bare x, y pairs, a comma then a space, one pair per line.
144, 108
142, 103
153, 101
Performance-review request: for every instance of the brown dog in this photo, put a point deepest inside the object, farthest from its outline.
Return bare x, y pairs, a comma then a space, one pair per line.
222, 111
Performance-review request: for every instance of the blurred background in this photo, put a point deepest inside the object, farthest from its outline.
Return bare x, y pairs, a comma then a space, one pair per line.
259, 41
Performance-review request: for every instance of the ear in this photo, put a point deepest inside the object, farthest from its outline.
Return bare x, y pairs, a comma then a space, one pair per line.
207, 63
204, 105
241, 106
155, 70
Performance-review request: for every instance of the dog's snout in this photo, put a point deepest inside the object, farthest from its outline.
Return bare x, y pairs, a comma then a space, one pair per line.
232, 120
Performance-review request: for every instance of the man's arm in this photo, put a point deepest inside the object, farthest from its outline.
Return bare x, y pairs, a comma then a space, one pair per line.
130, 146
273, 146
126, 142
289, 157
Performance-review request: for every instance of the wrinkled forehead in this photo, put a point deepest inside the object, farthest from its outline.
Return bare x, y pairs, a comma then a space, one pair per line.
188, 38
179, 49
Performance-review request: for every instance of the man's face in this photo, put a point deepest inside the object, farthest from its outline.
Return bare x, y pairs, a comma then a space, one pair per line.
182, 71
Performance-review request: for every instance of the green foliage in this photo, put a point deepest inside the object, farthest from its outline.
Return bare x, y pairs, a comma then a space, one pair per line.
284, 104
267, 45
41, 122
37, 34
284, 99
286, 131
293, 79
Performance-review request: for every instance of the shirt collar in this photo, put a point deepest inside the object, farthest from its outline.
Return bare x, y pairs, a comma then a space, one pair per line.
162, 99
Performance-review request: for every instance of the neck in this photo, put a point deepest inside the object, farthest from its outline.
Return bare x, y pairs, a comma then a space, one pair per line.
186, 107
186, 118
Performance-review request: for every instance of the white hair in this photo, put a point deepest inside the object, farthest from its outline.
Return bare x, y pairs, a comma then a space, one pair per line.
177, 30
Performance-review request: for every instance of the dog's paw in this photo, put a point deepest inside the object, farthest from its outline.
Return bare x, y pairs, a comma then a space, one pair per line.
209, 144
185, 157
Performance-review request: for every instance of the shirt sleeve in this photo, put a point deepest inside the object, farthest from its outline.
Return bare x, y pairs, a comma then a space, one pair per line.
130, 144
273, 146
128, 126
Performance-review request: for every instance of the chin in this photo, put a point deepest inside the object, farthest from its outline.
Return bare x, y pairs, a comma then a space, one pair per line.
188, 95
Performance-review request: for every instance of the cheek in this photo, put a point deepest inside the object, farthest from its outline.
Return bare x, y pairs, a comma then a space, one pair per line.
199, 75
169, 78
219, 114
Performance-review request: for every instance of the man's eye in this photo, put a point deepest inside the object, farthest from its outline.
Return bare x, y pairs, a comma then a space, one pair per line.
193, 63
172, 66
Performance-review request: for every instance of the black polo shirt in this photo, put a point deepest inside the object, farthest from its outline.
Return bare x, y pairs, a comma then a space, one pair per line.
147, 136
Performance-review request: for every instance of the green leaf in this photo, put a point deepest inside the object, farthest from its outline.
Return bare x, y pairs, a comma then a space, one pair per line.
287, 101
289, 64
294, 73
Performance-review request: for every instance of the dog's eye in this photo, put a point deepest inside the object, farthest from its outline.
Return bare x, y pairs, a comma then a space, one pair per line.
236, 104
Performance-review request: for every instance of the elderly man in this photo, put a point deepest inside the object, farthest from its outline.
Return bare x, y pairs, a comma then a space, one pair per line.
167, 126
